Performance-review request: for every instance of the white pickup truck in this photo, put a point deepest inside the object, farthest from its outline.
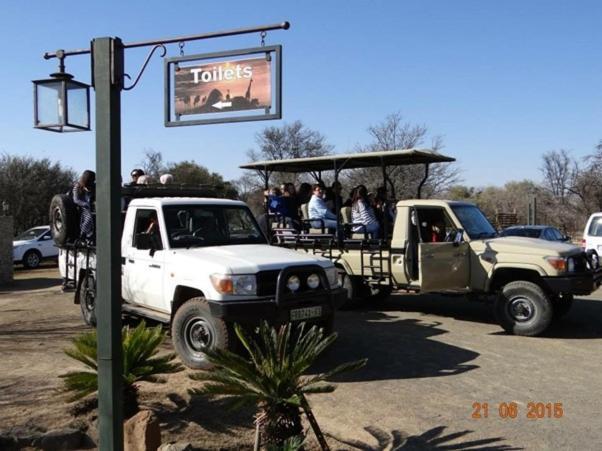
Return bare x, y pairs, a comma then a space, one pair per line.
202, 265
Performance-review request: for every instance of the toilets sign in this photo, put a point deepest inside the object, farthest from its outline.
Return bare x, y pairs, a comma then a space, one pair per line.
242, 85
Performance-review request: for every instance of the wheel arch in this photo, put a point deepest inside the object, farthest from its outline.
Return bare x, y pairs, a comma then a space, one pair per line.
500, 276
183, 293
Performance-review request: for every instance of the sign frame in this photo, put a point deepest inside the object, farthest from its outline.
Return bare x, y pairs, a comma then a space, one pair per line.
273, 51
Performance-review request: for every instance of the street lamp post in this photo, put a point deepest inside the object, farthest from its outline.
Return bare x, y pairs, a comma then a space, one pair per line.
108, 77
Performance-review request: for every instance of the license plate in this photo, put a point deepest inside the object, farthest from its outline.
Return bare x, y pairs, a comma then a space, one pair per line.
306, 313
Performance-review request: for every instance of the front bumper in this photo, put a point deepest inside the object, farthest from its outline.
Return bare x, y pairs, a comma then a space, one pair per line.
581, 283
276, 310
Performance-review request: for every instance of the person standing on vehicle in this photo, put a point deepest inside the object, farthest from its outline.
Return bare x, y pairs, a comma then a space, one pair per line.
362, 213
318, 209
83, 197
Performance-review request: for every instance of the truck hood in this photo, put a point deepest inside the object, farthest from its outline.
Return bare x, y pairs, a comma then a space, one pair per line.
530, 246
248, 258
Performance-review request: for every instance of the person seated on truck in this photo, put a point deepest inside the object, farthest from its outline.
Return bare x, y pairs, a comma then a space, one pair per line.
135, 174
318, 209
83, 197
437, 233
152, 230
333, 194
291, 206
363, 214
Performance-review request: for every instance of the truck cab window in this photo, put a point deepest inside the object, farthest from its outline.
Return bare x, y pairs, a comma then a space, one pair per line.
434, 225
147, 223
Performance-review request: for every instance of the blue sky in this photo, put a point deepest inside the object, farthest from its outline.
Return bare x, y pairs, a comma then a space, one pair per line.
501, 81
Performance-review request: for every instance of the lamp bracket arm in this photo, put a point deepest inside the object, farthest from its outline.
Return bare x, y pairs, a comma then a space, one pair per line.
148, 57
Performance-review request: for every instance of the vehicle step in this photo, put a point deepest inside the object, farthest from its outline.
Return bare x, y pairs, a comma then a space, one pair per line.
146, 312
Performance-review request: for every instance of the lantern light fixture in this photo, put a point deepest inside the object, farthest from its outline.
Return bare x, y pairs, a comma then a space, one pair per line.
61, 104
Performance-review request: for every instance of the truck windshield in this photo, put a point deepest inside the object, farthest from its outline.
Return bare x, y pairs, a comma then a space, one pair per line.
474, 222
210, 225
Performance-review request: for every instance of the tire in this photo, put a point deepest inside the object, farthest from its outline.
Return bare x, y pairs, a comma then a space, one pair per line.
32, 259
593, 259
64, 224
87, 299
522, 308
193, 328
353, 286
562, 304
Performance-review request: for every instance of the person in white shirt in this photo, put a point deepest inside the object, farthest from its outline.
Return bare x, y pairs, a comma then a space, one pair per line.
362, 213
317, 209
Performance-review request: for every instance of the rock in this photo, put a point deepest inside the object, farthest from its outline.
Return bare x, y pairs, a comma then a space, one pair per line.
178, 446
61, 439
141, 432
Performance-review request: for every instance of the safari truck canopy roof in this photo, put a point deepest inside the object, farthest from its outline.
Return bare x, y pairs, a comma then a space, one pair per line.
351, 160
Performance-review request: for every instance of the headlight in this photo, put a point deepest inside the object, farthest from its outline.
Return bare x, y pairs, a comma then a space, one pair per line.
313, 281
238, 285
558, 263
570, 265
333, 277
293, 283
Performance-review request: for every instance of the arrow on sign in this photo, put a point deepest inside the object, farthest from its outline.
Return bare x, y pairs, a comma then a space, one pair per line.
219, 105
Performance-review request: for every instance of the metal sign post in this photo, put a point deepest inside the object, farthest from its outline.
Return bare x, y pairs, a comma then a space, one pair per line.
107, 54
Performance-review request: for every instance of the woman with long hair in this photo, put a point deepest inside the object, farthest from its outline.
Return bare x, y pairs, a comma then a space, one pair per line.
83, 197
362, 213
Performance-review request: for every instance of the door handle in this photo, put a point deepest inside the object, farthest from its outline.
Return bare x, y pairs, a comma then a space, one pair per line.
131, 261
154, 266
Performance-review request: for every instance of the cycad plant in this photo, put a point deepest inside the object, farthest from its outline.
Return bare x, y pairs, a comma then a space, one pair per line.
272, 377
140, 363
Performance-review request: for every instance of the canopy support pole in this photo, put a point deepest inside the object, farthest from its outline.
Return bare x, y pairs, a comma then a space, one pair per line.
426, 176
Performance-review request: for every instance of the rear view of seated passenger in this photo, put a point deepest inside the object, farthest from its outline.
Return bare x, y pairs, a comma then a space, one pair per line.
317, 209
362, 213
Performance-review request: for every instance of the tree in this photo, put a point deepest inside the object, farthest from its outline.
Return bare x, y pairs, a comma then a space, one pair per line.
272, 377
152, 164
186, 173
393, 133
140, 363
191, 173
27, 186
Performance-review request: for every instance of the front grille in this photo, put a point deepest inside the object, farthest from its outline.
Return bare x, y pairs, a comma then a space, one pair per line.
267, 280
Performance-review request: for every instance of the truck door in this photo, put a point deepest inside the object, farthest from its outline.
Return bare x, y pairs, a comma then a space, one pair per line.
443, 265
143, 270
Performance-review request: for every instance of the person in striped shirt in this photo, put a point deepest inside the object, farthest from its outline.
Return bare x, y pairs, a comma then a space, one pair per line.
362, 213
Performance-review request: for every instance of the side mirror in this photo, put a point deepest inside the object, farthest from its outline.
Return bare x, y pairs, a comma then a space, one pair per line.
46, 238
458, 237
144, 241
566, 238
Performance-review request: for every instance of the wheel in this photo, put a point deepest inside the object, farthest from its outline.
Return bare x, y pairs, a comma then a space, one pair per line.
194, 329
32, 259
353, 286
593, 259
562, 304
87, 299
327, 324
63, 219
522, 308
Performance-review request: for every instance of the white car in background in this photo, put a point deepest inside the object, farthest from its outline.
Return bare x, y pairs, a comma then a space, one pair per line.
33, 246
592, 235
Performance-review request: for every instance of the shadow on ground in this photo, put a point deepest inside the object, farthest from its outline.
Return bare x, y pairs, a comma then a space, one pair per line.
33, 283
389, 344
202, 411
433, 439
583, 321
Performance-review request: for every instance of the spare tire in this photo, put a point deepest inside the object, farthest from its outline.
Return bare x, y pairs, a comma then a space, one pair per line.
64, 224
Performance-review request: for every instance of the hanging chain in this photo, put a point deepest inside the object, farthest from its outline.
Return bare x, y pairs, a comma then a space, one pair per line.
181, 45
263, 35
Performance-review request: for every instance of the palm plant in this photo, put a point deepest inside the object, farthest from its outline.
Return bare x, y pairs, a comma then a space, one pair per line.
272, 377
140, 363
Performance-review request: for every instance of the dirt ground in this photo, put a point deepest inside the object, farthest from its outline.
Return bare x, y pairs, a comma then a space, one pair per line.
430, 359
